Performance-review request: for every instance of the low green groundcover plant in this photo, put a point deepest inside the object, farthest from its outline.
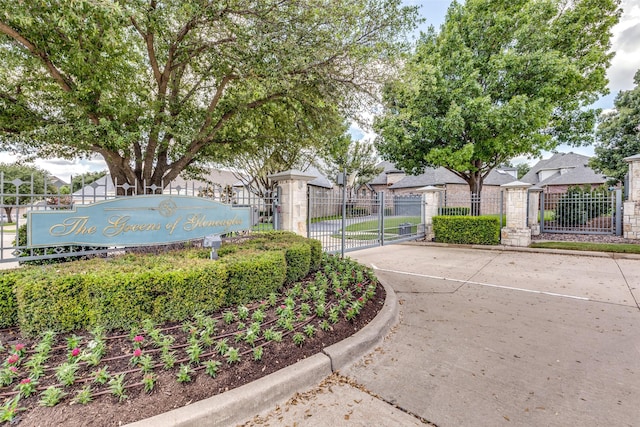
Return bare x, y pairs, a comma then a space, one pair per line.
79, 367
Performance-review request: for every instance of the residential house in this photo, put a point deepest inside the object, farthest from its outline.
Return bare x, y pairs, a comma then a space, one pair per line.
562, 170
395, 182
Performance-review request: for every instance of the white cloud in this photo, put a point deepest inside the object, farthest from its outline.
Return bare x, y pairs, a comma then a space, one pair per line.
62, 168
626, 45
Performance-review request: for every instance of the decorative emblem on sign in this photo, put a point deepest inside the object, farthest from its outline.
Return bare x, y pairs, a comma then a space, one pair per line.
167, 208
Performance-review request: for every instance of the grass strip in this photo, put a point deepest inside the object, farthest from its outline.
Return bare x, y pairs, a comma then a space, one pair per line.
627, 248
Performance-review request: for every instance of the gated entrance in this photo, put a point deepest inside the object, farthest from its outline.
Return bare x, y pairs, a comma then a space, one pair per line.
581, 211
345, 222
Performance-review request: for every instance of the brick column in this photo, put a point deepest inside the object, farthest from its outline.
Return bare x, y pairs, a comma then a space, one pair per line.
293, 200
533, 216
631, 215
516, 233
431, 201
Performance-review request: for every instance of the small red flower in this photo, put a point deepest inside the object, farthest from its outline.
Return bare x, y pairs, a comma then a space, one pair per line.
13, 359
283, 306
138, 338
26, 381
19, 347
360, 299
339, 291
75, 352
137, 352
13, 369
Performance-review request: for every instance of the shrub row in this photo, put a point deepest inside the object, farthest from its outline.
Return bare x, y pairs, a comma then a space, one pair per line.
119, 292
472, 230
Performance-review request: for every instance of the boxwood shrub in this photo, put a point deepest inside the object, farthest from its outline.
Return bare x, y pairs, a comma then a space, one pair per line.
119, 292
254, 276
8, 305
472, 230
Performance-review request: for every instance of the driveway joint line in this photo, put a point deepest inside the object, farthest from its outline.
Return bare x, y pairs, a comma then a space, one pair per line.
627, 283
490, 285
351, 382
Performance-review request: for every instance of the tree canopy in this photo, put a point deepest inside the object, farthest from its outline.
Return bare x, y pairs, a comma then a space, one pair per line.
288, 138
501, 79
157, 87
357, 157
619, 134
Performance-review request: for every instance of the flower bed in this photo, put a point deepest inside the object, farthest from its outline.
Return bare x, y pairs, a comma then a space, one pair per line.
223, 349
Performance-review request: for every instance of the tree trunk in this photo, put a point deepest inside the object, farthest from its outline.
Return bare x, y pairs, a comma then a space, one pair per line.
475, 190
8, 210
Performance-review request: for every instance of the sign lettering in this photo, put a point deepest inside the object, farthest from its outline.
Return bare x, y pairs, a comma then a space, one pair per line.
136, 221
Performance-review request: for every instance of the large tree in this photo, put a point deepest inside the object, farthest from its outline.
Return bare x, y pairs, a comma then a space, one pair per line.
287, 138
501, 79
357, 158
158, 87
619, 134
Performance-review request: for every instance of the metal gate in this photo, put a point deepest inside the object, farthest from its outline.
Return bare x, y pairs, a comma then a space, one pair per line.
345, 222
581, 211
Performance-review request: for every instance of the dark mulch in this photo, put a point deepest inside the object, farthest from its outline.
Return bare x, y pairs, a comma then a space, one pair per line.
590, 238
168, 393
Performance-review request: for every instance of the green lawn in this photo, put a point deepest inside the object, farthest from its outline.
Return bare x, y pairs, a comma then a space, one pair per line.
389, 223
368, 230
9, 227
629, 248
548, 215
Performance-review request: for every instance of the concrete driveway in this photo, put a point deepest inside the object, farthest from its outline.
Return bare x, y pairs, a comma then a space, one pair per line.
489, 337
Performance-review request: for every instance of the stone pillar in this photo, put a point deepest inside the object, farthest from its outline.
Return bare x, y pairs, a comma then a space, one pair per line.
631, 215
431, 201
534, 210
293, 200
516, 233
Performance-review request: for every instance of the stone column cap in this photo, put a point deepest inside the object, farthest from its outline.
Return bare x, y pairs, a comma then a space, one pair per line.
632, 158
535, 188
291, 174
428, 189
516, 184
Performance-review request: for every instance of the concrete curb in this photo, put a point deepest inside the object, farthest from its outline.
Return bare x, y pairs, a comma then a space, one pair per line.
362, 342
237, 405
614, 255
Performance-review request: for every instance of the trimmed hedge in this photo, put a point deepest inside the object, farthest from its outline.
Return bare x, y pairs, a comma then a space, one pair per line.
8, 305
119, 292
256, 276
471, 230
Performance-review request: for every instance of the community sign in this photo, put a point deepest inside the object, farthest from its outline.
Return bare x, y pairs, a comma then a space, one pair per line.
136, 221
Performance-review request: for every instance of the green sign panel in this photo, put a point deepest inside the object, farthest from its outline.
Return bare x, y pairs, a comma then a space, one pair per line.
136, 221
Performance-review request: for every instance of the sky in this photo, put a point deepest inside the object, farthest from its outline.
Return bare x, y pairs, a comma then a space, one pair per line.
626, 44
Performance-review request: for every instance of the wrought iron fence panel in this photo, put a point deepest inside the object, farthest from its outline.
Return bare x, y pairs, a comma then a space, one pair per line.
487, 203
579, 211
